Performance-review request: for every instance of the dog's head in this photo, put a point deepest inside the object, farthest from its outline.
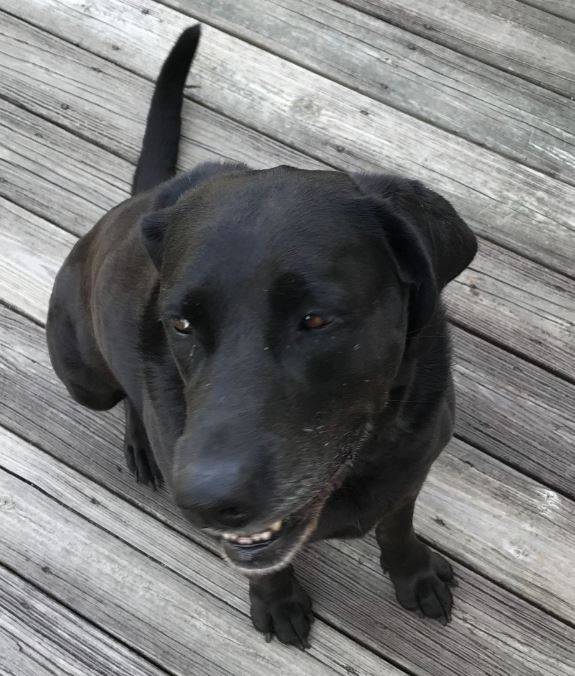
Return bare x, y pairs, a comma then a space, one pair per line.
288, 298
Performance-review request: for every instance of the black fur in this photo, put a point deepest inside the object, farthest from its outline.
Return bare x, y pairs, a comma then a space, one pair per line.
160, 146
256, 411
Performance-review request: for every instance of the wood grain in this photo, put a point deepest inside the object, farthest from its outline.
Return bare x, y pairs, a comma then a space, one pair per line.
39, 637
32, 252
501, 295
511, 35
499, 395
176, 618
562, 8
33, 520
471, 99
340, 88
518, 207
515, 411
519, 304
506, 508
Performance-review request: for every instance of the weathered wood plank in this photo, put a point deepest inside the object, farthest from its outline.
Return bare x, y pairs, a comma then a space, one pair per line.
70, 180
136, 595
39, 637
429, 81
488, 601
493, 618
499, 394
517, 647
511, 515
562, 8
173, 551
83, 84
56, 174
32, 252
523, 209
503, 295
508, 34
515, 411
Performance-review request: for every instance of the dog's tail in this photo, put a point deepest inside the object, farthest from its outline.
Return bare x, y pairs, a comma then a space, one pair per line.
159, 153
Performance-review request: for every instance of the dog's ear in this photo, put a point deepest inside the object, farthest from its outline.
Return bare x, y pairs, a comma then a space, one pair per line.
155, 223
153, 228
428, 240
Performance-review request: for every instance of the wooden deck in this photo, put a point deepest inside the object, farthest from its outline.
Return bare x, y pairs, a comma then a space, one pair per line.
475, 97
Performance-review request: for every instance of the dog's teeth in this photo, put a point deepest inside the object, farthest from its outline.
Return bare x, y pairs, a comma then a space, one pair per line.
230, 537
254, 537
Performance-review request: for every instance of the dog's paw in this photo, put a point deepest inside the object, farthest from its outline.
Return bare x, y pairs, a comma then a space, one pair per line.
428, 590
141, 468
139, 457
288, 616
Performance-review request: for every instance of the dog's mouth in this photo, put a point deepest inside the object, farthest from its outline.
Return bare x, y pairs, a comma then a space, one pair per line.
265, 537
275, 545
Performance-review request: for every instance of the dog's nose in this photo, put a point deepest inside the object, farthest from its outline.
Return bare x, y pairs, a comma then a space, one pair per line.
217, 494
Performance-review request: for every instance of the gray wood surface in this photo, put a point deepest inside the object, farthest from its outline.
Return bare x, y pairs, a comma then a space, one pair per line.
502, 295
509, 512
522, 209
562, 8
39, 637
431, 82
515, 411
182, 618
344, 579
499, 395
471, 96
511, 35
32, 252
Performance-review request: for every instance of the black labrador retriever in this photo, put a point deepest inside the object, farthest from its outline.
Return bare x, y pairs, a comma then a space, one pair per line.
278, 340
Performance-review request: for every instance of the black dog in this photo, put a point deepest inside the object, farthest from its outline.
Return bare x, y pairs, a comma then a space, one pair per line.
280, 345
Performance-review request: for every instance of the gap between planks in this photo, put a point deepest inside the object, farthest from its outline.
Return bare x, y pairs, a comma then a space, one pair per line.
532, 212
502, 295
141, 581
434, 84
562, 9
498, 395
176, 553
511, 36
38, 634
530, 523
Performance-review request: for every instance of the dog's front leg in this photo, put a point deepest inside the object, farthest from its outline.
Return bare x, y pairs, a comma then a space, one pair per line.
137, 450
421, 577
280, 606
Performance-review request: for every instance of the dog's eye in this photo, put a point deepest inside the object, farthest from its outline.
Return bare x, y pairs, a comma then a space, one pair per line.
314, 321
181, 325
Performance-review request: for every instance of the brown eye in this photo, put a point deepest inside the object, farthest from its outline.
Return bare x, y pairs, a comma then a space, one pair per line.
314, 321
181, 325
